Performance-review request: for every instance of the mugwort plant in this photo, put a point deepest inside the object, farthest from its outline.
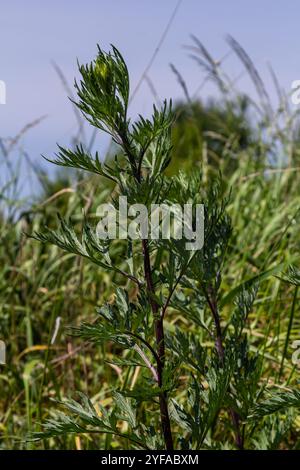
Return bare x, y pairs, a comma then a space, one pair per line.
193, 383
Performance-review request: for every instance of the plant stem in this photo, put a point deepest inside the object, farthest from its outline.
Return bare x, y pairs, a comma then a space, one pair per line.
160, 343
158, 325
235, 418
291, 319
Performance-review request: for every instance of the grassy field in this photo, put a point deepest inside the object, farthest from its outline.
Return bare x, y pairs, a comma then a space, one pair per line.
43, 290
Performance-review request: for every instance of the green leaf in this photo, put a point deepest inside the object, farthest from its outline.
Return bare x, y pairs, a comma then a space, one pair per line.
278, 401
127, 413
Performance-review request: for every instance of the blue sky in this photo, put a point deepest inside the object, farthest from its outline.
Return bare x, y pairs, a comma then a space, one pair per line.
34, 33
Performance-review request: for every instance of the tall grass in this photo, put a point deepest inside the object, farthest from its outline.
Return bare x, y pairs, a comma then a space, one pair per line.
43, 290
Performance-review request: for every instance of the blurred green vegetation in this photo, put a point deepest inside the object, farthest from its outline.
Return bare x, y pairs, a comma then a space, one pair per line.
43, 290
